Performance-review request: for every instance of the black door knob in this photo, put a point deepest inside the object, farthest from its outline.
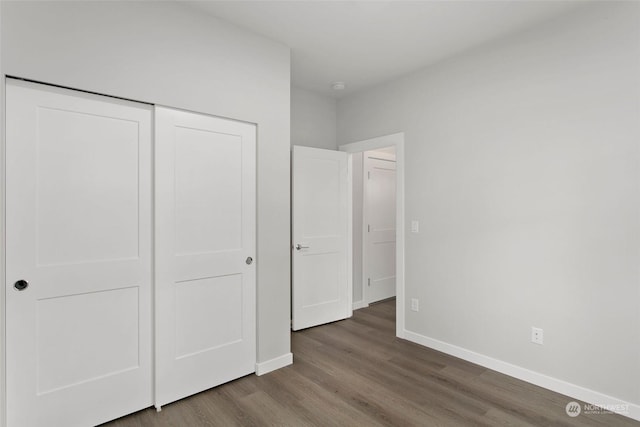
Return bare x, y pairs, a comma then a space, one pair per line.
21, 285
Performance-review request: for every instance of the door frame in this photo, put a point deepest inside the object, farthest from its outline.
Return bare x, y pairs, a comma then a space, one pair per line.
396, 140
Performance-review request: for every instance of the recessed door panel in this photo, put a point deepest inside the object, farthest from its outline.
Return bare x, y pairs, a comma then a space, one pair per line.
321, 180
68, 353
85, 211
321, 272
208, 185
205, 302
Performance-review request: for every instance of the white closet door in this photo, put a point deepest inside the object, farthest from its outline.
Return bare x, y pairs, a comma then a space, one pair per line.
205, 241
78, 212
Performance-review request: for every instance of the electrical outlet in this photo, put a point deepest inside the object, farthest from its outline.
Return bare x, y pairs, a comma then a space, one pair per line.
537, 335
415, 226
415, 304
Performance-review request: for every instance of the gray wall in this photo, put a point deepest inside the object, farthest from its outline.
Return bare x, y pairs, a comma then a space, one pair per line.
313, 119
167, 54
523, 167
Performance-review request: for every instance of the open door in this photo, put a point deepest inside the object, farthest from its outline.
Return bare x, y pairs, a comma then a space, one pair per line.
320, 246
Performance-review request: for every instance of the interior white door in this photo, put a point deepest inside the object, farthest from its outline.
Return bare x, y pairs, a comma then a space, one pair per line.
78, 244
380, 219
205, 244
321, 289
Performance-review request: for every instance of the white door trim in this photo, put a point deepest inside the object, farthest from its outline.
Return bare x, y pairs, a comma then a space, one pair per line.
396, 140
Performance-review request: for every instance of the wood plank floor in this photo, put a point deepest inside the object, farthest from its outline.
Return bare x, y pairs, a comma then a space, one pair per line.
356, 373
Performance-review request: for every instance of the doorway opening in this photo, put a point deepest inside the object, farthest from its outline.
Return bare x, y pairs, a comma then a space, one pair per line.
374, 200
378, 222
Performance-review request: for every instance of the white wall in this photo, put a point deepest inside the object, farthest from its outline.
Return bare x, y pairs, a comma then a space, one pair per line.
168, 54
313, 119
523, 167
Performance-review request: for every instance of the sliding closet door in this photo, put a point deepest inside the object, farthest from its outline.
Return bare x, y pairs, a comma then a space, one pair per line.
205, 244
78, 248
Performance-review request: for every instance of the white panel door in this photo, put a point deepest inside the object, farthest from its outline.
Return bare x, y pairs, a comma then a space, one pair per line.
78, 212
321, 289
205, 241
380, 234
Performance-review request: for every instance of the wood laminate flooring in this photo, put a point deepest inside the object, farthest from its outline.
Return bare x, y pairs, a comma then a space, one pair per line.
357, 373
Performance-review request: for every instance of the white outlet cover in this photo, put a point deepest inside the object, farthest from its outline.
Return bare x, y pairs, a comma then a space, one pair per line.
537, 335
415, 226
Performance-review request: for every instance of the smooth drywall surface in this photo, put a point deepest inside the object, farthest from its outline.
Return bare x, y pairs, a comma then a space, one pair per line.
313, 119
167, 54
523, 168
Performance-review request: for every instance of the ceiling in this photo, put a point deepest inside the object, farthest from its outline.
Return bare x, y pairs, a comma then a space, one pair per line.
364, 43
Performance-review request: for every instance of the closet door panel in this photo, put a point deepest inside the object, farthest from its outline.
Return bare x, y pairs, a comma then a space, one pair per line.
79, 235
205, 235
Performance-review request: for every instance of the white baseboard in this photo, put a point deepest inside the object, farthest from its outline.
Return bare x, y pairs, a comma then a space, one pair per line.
273, 364
360, 304
541, 380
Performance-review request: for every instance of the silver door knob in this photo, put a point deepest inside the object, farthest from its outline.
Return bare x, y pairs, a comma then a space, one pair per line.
21, 285
299, 247
249, 260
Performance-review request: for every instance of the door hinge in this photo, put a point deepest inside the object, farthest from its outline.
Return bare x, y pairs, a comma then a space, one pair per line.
368, 175
368, 228
369, 281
